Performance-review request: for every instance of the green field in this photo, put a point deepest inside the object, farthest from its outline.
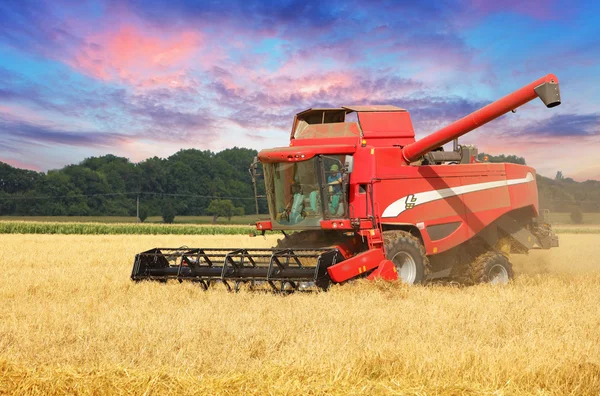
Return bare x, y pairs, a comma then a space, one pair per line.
245, 220
200, 225
37, 227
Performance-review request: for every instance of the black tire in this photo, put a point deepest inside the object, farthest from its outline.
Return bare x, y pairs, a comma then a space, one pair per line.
403, 248
491, 267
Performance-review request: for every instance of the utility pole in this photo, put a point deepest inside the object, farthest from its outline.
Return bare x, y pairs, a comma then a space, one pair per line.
255, 195
138, 208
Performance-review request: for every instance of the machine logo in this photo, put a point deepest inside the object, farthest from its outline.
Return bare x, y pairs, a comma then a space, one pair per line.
412, 200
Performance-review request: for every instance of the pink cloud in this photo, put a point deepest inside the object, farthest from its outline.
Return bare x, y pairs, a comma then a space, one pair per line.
143, 58
18, 112
20, 164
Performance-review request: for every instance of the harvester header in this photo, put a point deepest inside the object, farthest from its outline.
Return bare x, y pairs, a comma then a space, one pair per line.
365, 200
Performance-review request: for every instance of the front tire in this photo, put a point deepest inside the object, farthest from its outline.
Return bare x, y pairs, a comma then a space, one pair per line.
491, 267
408, 255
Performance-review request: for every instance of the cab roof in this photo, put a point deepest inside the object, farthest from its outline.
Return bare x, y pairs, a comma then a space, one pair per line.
349, 109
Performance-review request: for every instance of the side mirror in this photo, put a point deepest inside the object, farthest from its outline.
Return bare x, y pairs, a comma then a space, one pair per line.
349, 164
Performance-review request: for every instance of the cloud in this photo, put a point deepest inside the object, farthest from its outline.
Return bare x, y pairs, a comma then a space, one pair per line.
162, 75
260, 15
139, 57
157, 114
272, 102
162, 122
20, 164
36, 27
22, 132
547, 10
564, 125
311, 36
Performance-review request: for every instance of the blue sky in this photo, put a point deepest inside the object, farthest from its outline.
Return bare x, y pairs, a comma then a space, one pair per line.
147, 78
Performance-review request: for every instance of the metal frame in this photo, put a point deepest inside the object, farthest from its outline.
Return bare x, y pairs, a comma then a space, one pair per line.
287, 267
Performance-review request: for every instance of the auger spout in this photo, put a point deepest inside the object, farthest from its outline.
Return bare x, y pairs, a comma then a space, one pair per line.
546, 88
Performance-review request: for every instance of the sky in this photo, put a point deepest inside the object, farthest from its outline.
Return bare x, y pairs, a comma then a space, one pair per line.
144, 78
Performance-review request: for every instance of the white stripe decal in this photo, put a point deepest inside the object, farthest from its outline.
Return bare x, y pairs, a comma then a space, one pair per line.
410, 201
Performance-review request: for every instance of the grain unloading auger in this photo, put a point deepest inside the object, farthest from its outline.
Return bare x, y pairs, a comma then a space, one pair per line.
367, 200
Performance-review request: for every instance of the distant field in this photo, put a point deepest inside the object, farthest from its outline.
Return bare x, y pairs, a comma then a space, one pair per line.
33, 227
73, 323
554, 218
246, 220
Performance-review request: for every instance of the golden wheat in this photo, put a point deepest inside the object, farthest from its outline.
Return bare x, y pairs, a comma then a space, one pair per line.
72, 322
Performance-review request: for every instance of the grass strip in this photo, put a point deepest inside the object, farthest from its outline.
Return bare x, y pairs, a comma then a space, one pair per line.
22, 227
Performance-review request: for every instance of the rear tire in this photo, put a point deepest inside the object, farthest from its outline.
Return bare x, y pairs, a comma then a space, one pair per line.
491, 267
408, 255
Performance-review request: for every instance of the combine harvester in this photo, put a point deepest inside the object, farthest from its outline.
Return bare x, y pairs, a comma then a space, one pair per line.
370, 201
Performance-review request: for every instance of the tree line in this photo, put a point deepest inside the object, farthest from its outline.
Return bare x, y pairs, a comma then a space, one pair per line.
194, 182
183, 184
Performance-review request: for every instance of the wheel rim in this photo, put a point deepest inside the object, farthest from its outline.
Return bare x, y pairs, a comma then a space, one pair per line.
498, 275
406, 266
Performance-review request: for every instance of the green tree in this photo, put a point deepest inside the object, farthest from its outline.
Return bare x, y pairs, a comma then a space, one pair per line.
168, 213
239, 211
144, 213
222, 208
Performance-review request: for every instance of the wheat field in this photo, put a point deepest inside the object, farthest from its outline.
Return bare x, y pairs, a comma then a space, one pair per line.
72, 322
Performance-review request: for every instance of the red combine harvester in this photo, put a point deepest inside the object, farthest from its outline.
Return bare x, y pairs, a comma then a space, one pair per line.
370, 201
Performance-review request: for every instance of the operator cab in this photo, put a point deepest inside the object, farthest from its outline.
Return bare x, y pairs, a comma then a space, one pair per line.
307, 182
301, 194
